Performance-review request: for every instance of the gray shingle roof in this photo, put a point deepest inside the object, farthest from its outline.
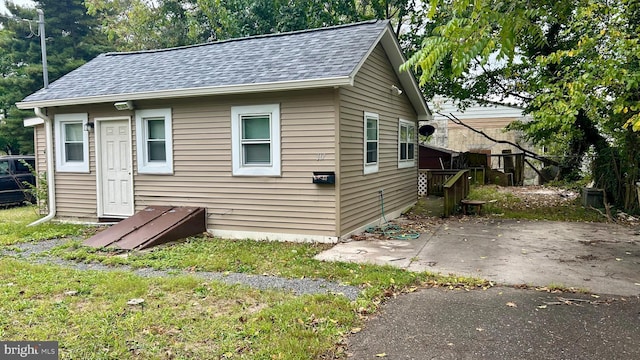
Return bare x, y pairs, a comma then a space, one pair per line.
298, 56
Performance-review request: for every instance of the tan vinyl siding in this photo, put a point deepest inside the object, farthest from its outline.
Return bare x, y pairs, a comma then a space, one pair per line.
75, 193
40, 147
359, 196
202, 167
289, 204
76, 197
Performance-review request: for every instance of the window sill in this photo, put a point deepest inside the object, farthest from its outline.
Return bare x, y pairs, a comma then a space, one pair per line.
406, 164
257, 172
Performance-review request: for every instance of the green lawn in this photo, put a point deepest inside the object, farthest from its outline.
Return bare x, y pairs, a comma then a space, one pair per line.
181, 317
184, 317
13, 227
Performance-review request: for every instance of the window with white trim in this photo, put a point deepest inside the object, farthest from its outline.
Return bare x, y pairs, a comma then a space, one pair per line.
255, 135
72, 143
406, 143
154, 141
371, 142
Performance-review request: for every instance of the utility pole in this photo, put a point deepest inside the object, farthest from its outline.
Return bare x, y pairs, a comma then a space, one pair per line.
43, 48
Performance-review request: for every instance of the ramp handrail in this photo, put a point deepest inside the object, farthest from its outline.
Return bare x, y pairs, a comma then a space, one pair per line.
455, 189
436, 179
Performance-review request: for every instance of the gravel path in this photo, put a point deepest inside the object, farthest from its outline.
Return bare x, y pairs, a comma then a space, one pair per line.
297, 286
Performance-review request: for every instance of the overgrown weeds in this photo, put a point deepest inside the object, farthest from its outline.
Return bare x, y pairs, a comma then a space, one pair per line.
38, 191
549, 203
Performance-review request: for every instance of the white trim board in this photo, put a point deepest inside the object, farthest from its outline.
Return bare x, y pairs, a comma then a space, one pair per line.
270, 236
190, 92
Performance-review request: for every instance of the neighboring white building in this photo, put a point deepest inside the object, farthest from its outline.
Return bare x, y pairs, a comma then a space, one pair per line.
490, 119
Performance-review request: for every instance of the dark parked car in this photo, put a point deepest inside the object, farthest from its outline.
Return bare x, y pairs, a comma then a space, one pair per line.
13, 174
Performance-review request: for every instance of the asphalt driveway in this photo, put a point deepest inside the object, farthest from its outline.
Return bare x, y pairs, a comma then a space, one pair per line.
501, 323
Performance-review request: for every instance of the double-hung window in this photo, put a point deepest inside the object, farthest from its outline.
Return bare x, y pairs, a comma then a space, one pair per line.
371, 142
154, 141
406, 143
255, 133
72, 143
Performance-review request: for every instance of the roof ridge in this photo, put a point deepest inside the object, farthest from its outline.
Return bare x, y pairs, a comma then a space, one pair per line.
262, 36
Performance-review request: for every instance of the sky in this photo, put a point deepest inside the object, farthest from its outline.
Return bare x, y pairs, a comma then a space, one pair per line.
3, 8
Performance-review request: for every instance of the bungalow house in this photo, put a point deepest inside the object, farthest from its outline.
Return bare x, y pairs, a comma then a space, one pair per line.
293, 136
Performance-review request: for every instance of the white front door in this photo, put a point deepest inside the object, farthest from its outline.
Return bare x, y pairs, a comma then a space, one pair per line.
115, 179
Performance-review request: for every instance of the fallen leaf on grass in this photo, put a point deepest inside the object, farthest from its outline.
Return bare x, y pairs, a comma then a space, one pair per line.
135, 301
356, 330
511, 304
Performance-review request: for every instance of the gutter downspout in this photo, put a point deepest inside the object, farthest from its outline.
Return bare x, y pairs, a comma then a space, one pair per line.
50, 175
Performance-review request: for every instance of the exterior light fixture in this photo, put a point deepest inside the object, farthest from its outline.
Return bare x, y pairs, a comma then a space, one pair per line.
88, 126
124, 105
395, 90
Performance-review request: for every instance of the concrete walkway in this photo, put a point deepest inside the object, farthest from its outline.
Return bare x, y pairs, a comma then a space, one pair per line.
597, 257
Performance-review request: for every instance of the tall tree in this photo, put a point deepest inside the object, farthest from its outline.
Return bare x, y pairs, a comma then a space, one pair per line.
18, 76
147, 24
73, 37
572, 64
400, 12
143, 24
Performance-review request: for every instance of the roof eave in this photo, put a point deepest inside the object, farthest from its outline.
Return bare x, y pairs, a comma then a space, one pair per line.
190, 92
408, 82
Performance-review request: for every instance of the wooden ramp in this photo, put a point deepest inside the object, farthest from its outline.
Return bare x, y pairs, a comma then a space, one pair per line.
152, 226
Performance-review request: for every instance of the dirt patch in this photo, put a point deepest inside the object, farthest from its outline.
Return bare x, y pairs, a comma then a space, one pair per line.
587, 257
596, 242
